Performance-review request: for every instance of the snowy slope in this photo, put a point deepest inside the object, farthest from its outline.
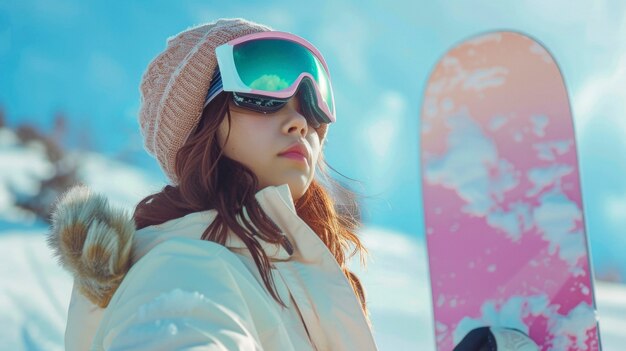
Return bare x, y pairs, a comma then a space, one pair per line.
34, 295
123, 184
23, 167
21, 171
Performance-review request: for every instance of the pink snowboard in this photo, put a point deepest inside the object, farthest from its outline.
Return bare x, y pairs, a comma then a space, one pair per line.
501, 194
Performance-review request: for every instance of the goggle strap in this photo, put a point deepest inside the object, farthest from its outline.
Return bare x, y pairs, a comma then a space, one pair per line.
215, 88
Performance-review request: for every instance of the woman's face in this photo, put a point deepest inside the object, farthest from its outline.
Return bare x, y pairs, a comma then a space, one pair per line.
257, 139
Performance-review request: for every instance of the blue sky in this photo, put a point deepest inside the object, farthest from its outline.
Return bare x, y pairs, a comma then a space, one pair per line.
86, 58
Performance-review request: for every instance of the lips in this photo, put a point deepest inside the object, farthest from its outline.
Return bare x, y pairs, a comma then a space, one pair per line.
296, 148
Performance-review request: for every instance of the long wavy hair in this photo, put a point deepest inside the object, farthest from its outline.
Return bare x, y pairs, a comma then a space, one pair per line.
210, 180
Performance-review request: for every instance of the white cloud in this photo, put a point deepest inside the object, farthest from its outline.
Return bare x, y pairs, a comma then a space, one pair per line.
549, 150
344, 37
603, 96
540, 122
535, 48
397, 289
616, 209
481, 79
556, 217
380, 135
574, 326
381, 132
546, 176
514, 222
497, 122
465, 168
397, 268
477, 79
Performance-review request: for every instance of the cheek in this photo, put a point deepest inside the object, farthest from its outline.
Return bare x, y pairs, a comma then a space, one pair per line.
245, 143
233, 131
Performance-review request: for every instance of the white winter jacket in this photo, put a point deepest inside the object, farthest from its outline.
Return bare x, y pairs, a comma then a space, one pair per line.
183, 293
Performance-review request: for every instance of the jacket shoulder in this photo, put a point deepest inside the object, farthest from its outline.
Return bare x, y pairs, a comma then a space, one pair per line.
181, 279
185, 264
183, 258
189, 248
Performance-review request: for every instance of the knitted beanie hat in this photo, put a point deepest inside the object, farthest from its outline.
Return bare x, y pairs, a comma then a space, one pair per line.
175, 85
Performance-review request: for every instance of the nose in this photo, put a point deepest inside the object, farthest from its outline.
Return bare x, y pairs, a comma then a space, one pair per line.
296, 122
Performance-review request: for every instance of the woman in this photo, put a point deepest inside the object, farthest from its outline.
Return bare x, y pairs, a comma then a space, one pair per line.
244, 250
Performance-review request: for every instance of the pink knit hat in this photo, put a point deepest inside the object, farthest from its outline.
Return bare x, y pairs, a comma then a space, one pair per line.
174, 86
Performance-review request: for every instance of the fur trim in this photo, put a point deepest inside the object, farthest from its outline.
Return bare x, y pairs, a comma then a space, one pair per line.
92, 241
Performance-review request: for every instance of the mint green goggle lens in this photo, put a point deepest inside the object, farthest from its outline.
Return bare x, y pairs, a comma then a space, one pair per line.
276, 68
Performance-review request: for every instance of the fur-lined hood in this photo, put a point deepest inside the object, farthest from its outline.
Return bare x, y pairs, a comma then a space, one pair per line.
93, 241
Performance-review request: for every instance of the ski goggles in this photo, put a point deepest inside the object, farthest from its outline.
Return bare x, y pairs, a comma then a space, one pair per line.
264, 70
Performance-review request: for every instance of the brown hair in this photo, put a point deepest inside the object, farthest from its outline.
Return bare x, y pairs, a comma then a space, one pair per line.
208, 180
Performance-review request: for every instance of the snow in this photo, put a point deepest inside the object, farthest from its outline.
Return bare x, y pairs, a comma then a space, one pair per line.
29, 165
122, 184
35, 292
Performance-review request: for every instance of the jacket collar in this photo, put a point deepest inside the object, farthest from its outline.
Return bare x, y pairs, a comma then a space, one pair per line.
271, 199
